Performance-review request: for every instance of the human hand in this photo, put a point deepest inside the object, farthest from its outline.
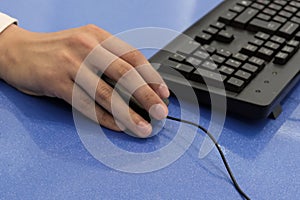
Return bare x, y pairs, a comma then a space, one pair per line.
48, 64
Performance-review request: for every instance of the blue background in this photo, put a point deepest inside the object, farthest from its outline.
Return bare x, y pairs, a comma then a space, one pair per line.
42, 157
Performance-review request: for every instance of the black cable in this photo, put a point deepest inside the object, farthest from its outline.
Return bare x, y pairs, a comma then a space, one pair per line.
236, 185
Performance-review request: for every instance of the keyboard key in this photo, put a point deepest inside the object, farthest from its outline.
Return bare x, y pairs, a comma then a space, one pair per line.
260, 25
235, 84
193, 61
272, 45
260, 63
209, 65
278, 40
269, 12
294, 43
264, 17
237, 8
289, 50
217, 59
290, 9
279, 19
250, 68
285, 14
226, 70
177, 57
258, 6
297, 37
265, 54
169, 63
182, 68
288, 30
209, 49
244, 3
240, 57
188, 47
262, 36
218, 25
281, 58
224, 53
227, 17
211, 30
243, 75
295, 4
201, 54
275, 7
249, 49
204, 38
256, 42
280, 2
244, 18
264, 2
296, 20
225, 36
233, 63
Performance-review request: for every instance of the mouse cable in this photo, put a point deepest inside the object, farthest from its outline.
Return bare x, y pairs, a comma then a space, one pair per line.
236, 185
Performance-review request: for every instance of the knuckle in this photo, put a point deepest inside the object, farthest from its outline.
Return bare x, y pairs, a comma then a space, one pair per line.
77, 37
136, 57
99, 33
104, 93
81, 40
92, 28
123, 69
136, 54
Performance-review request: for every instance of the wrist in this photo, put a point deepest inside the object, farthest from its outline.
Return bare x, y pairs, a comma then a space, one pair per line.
7, 40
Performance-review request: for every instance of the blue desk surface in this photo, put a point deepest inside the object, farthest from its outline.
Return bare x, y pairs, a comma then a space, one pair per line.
42, 157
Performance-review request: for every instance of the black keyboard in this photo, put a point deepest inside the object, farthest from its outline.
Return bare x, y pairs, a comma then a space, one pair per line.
250, 48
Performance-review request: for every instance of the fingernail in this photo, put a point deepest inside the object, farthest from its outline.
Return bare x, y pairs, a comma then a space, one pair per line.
144, 129
163, 91
158, 111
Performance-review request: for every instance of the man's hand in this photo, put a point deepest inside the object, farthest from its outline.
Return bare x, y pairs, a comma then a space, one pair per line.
48, 64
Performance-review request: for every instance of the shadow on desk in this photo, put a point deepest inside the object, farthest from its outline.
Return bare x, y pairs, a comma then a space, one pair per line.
48, 122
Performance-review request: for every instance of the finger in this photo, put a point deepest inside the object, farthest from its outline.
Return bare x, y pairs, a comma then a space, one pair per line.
126, 75
82, 102
105, 96
136, 58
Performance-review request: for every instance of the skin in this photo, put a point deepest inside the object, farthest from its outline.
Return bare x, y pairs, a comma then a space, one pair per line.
47, 64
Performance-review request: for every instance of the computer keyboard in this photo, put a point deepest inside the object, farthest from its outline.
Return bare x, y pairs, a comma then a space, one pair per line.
249, 47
